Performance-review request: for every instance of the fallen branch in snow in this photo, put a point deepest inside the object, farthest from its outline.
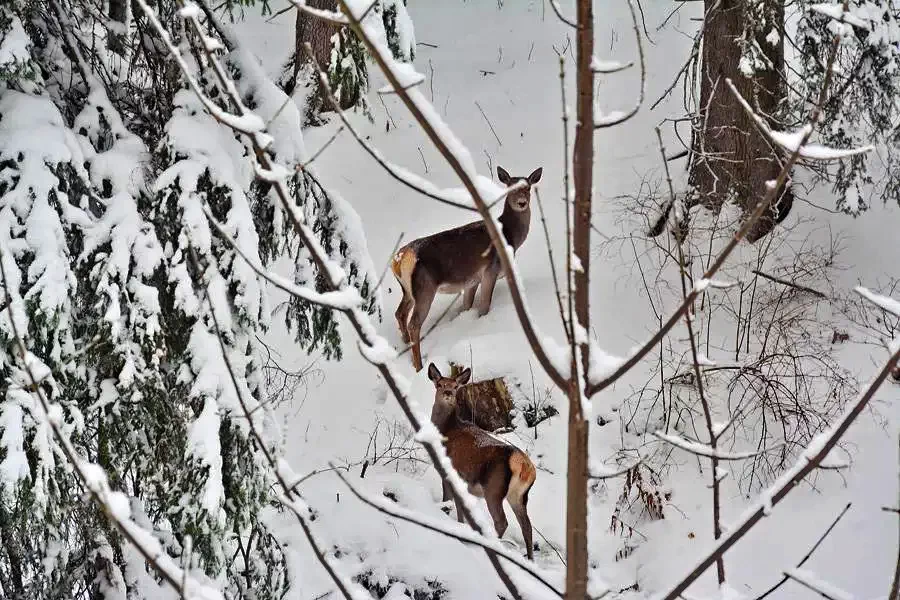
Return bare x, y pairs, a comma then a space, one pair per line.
453, 530
114, 505
617, 118
374, 348
814, 454
597, 472
808, 554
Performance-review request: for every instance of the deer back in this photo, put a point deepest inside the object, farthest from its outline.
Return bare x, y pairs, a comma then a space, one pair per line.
475, 453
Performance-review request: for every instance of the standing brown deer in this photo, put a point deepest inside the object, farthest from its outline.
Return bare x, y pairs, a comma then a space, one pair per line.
493, 468
458, 260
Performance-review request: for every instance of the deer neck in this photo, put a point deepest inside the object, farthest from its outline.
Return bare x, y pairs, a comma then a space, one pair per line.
515, 225
445, 422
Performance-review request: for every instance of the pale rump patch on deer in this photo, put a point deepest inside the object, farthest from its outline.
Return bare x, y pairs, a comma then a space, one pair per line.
458, 260
492, 468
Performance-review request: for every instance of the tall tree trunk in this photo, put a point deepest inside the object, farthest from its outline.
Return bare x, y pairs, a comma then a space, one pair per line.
730, 155
583, 164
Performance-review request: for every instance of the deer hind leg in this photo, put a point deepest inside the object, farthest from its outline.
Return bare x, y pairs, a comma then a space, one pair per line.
469, 296
523, 476
421, 304
402, 315
445, 489
494, 491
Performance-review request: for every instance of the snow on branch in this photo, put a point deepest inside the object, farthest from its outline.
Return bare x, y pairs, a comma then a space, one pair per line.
795, 141
559, 13
619, 117
821, 587
460, 160
840, 14
808, 461
334, 280
708, 451
114, 505
326, 15
885, 303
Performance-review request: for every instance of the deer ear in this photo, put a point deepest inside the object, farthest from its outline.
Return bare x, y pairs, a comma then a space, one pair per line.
503, 176
463, 378
535, 176
433, 373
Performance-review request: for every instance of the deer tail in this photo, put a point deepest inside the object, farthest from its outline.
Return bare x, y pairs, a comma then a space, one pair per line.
403, 264
522, 477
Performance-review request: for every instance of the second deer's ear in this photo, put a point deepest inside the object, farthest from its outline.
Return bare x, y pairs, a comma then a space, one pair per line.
503, 176
463, 378
535, 176
433, 373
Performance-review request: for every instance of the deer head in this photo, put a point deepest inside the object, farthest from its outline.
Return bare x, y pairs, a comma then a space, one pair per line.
520, 199
445, 389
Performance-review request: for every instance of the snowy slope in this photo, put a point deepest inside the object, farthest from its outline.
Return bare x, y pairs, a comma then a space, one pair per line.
495, 68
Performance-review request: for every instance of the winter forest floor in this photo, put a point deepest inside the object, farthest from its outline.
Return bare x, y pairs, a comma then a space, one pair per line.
493, 75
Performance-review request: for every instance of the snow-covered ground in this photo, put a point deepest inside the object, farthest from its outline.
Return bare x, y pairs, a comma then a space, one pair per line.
492, 73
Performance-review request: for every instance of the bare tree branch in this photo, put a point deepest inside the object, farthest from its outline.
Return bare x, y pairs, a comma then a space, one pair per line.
613, 119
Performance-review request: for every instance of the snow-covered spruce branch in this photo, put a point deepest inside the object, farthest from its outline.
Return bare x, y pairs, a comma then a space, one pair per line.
453, 530
700, 286
459, 159
709, 451
811, 458
398, 173
373, 347
114, 505
288, 497
616, 117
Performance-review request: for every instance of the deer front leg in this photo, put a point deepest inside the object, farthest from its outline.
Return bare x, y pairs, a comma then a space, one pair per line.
488, 281
469, 296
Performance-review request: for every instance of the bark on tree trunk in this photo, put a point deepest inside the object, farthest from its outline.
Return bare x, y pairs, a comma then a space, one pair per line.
318, 33
583, 164
730, 155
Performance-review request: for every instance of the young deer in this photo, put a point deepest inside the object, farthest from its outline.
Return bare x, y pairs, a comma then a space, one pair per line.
493, 468
457, 260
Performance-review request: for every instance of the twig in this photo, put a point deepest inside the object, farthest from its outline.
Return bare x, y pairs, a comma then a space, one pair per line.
557, 292
559, 13
388, 263
617, 119
803, 288
488, 121
811, 582
303, 166
807, 556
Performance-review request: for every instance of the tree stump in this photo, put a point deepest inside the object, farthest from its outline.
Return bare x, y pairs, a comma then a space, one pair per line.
486, 403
